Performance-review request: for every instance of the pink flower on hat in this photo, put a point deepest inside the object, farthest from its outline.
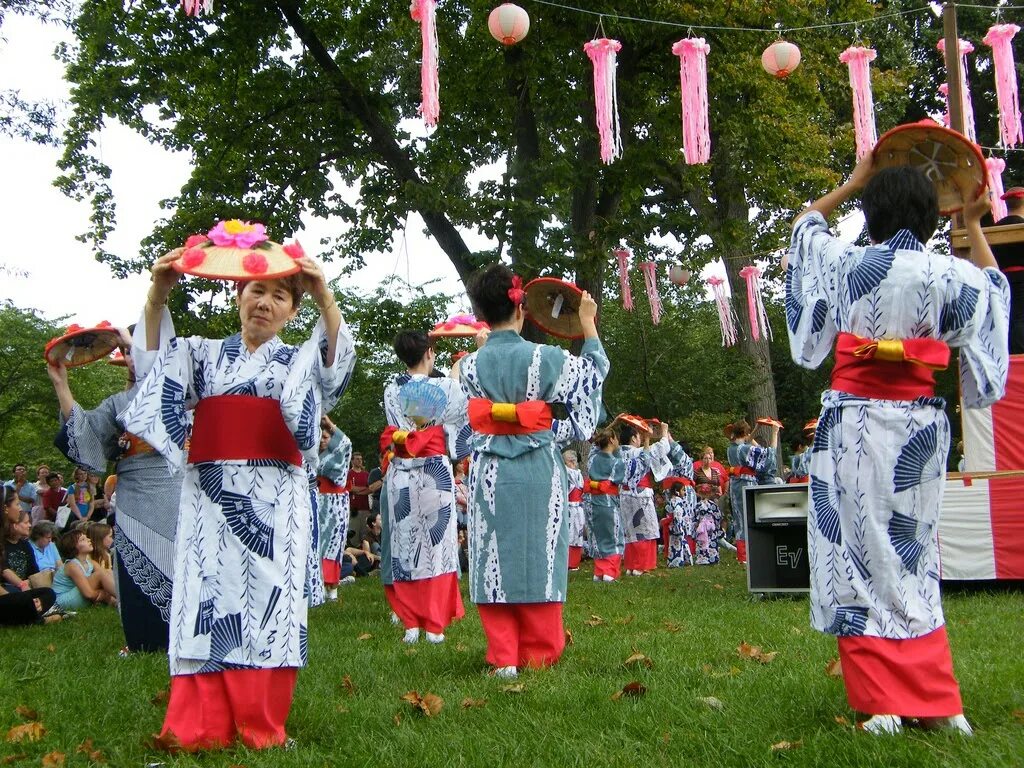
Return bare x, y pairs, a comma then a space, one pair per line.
235, 233
196, 240
294, 250
254, 263
193, 257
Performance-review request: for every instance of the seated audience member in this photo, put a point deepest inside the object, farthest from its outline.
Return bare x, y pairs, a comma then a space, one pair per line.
25, 607
84, 504
366, 558
27, 491
102, 537
44, 548
99, 499
80, 582
55, 497
20, 563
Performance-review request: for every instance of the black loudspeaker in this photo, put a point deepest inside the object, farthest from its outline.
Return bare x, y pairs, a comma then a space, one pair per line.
777, 538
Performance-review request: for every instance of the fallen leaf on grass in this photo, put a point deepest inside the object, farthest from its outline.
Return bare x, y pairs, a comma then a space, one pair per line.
469, 703
53, 760
834, 668
625, 619
638, 660
27, 732
1018, 715
711, 701
26, 713
342, 709
364, 636
632, 690
513, 688
842, 721
568, 637
671, 626
13, 759
164, 743
51, 647
594, 621
429, 703
410, 651
348, 685
755, 652
784, 745
461, 647
161, 699
86, 748
707, 669
718, 586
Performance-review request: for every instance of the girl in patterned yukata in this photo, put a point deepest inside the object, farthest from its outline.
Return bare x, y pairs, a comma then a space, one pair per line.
606, 472
577, 517
891, 311
426, 418
333, 502
799, 461
749, 464
708, 533
147, 504
519, 527
636, 496
238, 613
682, 514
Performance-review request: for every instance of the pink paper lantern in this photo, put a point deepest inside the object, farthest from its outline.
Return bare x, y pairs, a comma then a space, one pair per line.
780, 58
678, 276
508, 24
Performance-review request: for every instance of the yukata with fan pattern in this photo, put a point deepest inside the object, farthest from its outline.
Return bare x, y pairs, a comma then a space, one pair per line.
419, 529
333, 503
242, 550
877, 467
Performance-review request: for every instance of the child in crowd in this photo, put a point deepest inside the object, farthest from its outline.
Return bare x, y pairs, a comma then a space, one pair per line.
44, 548
682, 526
80, 582
461, 498
577, 517
601, 497
709, 526
102, 536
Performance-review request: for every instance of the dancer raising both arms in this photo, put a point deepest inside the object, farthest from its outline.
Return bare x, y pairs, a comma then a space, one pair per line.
419, 539
519, 527
238, 615
890, 311
636, 496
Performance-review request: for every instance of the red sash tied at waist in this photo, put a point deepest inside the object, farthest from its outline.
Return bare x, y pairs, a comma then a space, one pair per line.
575, 495
326, 486
490, 418
671, 480
742, 472
240, 427
645, 482
888, 369
602, 488
415, 444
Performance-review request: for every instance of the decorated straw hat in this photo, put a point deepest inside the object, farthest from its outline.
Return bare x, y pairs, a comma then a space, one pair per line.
118, 359
952, 162
458, 326
1013, 193
553, 305
811, 425
637, 422
79, 346
238, 250
770, 422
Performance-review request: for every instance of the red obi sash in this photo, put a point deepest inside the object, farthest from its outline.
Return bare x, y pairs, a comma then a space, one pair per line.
645, 482
136, 446
671, 480
601, 488
888, 369
415, 444
240, 427
490, 418
742, 471
798, 479
576, 495
329, 486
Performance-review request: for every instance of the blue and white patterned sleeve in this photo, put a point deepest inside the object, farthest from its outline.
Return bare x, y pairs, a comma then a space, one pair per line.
89, 438
456, 419
334, 462
580, 386
812, 291
975, 318
660, 463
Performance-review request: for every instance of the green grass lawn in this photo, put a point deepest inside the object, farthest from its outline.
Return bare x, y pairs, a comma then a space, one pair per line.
688, 622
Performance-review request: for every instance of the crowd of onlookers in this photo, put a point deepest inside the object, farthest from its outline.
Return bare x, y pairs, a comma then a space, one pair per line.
57, 544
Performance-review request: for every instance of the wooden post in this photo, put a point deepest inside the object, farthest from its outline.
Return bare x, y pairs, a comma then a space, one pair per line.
956, 96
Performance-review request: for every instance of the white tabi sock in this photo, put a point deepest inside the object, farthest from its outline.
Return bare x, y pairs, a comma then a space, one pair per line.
435, 639
881, 725
506, 672
411, 635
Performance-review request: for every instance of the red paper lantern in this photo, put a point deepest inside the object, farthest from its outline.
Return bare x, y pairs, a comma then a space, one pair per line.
508, 23
678, 276
780, 58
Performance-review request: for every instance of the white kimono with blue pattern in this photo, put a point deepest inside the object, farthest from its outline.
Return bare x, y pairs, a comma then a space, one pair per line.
577, 516
419, 530
518, 522
241, 553
333, 508
636, 504
878, 466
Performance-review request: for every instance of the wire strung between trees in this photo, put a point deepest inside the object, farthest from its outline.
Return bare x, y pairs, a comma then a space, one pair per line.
777, 30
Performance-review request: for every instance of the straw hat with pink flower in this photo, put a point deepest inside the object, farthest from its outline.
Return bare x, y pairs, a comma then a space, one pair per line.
238, 250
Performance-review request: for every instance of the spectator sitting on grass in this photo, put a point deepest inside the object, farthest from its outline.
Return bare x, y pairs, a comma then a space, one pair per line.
80, 582
44, 548
55, 497
366, 558
102, 537
20, 562
25, 607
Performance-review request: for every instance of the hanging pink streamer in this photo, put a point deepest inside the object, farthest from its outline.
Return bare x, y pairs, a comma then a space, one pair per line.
602, 54
197, 7
944, 90
425, 12
755, 303
859, 59
693, 82
726, 316
650, 270
623, 255
995, 167
964, 48
998, 38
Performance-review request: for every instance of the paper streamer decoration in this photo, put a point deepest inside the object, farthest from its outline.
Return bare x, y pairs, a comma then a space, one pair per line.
693, 82
602, 53
859, 59
995, 168
425, 12
944, 90
197, 7
755, 303
623, 254
650, 270
998, 39
965, 89
726, 316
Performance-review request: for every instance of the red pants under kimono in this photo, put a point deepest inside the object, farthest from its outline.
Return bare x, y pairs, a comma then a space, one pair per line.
642, 555
208, 711
332, 572
523, 634
575, 556
910, 678
608, 566
431, 604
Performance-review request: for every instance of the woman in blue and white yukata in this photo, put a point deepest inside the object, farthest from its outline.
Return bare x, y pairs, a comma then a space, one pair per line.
333, 502
238, 613
643, 461
577, 516
680, 507
749, 464
891, 312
